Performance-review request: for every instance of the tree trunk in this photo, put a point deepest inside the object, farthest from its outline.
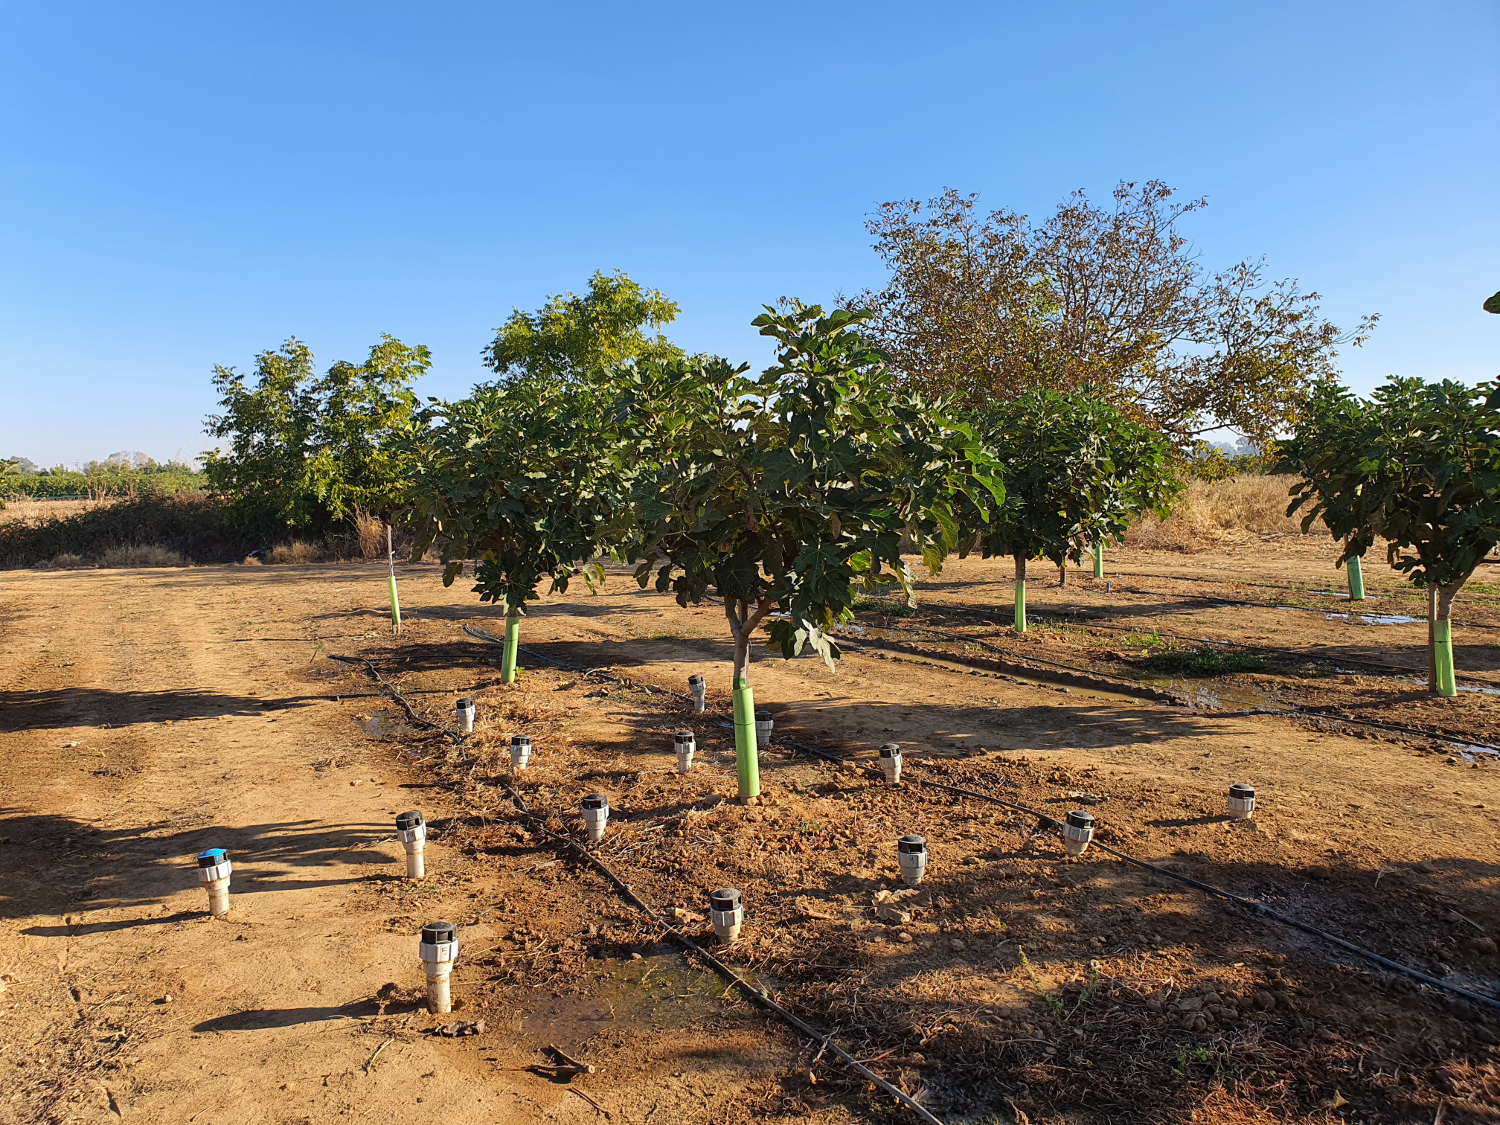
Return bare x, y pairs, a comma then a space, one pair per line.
741, 660
1432, 639
1020, 593
1062, 574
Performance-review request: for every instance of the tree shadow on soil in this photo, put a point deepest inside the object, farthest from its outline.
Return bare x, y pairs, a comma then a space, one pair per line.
80, 707
494, 622
266, 1019
51, 864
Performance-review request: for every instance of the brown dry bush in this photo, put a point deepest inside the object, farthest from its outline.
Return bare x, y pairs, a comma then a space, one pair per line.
370, 533
150, 554
1218, 513
296, 552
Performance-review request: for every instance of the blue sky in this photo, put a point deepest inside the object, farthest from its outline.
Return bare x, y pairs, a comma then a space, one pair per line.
187, 184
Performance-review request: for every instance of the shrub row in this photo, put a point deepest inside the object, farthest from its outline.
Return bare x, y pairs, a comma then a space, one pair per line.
193, 526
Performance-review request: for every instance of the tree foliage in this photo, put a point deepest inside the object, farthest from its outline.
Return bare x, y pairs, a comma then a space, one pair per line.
1417, 464
572, 338
1077, 472
520, 482
984, 307
786, 492
98, 480
307, 450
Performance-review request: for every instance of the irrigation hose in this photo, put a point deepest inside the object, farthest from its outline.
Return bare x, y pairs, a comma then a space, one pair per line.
390, 692
1456, 738
1384, 671
1134, 688
756, 995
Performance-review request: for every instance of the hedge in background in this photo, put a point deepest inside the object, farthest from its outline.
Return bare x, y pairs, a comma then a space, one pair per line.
194, 526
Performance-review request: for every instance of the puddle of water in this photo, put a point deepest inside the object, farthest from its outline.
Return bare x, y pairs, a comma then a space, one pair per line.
381, 724
1210, 694
659, 990
1411, 680
1467, 752
1378, 618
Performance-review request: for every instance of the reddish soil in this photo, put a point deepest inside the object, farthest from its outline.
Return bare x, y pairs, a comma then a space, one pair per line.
150, 714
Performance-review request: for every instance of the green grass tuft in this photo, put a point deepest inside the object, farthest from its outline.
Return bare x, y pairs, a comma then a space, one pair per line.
888, 606
1202, 662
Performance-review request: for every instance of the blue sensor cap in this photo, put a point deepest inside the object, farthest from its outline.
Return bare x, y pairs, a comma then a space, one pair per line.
212, 858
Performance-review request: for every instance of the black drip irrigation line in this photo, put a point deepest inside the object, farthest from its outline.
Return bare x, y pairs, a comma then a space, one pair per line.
1225, 602
1065, 619
1121, 681
1082, 622
1262, 605
756, 995
392, 693
1254, 907
1452, 737
1460, 740
625, 681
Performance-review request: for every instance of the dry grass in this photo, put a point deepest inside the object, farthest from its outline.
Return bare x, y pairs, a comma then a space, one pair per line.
370, 532
296, 552
1241, 509
67, 561
151, 554
34, 513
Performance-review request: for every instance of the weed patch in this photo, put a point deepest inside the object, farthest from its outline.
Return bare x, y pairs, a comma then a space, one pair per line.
148, 554
887, 606
1203, 662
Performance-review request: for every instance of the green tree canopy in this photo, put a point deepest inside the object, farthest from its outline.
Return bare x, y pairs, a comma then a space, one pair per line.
1077, 472
305, 451
520, 482
1418, 465
788, 491
784, 494
572, 338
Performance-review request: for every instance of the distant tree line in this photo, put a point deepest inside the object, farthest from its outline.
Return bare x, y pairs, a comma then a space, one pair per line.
123, 475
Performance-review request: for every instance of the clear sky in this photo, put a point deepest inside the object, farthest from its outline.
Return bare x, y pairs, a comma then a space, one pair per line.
184, 184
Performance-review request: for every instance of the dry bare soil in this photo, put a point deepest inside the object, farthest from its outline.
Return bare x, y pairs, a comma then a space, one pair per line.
150, 714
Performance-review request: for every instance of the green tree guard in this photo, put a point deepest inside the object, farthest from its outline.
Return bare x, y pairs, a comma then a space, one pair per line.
1020, 593
512, 639
1356, 580
390, 554
746, 753
1442, 651
1099, 559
